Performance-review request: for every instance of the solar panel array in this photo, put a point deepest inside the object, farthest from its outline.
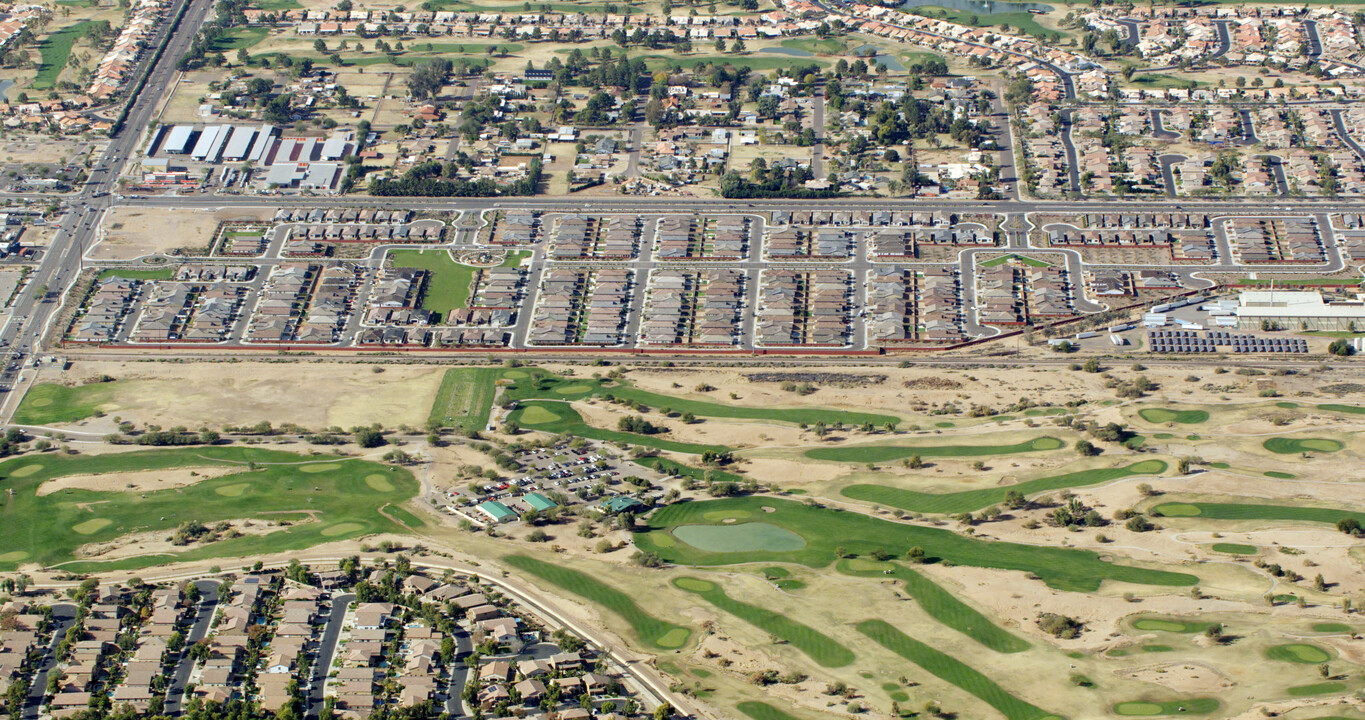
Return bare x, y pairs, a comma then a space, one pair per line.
1208, 341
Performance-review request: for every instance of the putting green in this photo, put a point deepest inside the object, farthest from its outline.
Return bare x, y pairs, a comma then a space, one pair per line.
1299, 653
233, 490
1145, 708
515, 374
691, 584
532, 415
341, 529
1331, 627
790, 585
746, 537
1179, 510
1137, 708
674, 638
776, 573
865, 565
573, 389
26, 470
1288, 446
13, 556
378, 483
92, 526
1235, 548
1168, 625
1165, 415
1276, 474
320, 468
722, 516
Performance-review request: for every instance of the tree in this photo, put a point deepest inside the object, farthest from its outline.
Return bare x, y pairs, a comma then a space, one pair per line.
916, 555
1086, 448
1340, 347
369, 438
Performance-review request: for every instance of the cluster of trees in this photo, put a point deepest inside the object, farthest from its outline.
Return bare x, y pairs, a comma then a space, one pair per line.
203, 50
789, 183
435, 179
428, 77
639, 425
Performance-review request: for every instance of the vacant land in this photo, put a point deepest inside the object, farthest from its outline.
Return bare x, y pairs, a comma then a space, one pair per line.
824, 650
133, 232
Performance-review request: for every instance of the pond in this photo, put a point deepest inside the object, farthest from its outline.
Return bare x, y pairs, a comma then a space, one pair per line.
890, 61
743, 537
980, 7
5, 85
793, 52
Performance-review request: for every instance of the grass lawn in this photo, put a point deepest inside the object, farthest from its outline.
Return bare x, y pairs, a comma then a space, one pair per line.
826, 530
1288, 446
269, 5
885, 453
940, 604
825, 651
972, 500
1249, 511
1162, 81
53, 53
951, 670
449, 283
465, 398
1031, 262
1166, 415
1145, 708
1022, 21
53, 403
339, 494
651, 630
165, 273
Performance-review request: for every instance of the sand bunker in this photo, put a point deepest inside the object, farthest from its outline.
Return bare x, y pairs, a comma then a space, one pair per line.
139, 481
158, 542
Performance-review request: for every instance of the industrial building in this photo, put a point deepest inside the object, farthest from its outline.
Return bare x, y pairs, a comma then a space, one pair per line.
1298, 310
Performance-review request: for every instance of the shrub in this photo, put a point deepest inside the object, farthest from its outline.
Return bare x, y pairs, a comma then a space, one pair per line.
1060, 626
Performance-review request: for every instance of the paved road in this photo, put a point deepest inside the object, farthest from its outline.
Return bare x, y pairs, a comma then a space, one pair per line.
1073, 162
63, 617
199, 629
817, 151
327, 647
1159, 130
459, 673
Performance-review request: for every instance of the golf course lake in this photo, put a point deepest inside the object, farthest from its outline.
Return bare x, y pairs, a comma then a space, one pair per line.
745, 537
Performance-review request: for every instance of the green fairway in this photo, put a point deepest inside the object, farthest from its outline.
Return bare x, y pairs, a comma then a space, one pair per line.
1170, 625
1276, 474
536, 384
951, 670
651, 630
825, 651
885, 453
1331, 627
559, 417
53, 53
1148, 708
824, 46
753, 62
744, 537
448, 284
1249, 511
52, 403
827, 529
1235, 549
239, 39
1287, 446
1322, 688
1301, 653
327, 506
465, 398
943, 606
762, 711
1167, 415
972, 500
1351, 409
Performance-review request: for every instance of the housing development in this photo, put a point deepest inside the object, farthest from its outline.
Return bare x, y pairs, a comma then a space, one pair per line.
724, 360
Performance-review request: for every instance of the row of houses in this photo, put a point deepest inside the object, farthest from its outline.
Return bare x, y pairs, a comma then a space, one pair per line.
693, 307
694, 237
803, 307
583, 306
117, 65
1281, 239
106, 310
576, 237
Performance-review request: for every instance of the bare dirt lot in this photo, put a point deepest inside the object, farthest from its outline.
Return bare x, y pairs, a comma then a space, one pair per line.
129, 233
143, 481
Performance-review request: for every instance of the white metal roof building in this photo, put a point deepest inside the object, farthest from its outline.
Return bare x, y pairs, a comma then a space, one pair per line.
1298, 310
